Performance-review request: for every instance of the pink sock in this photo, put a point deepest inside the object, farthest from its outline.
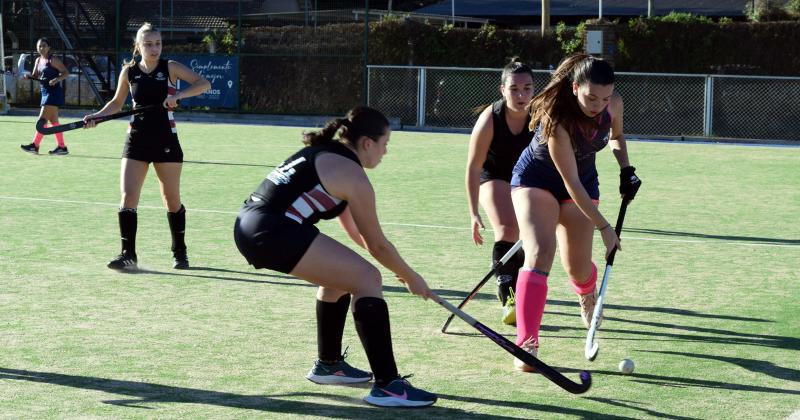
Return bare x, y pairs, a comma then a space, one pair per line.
37, 139
588, 286
531, 297
59, 136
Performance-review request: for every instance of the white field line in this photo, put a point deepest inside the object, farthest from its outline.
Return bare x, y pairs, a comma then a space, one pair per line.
415, 225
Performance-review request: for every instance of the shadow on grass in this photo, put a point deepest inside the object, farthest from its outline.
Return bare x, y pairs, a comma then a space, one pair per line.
757, 366
633, 405
196, 162
678, 382
141, 393
651, 309
772, 241
294, 281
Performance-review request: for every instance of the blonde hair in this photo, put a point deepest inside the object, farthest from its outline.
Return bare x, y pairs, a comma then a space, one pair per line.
145, 29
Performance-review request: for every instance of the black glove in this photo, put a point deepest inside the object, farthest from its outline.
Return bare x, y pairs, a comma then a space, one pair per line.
629, 183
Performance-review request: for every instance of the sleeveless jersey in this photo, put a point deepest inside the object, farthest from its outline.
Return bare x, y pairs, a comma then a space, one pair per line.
151, 89
505, 148
586, 145
47, 73
294, 190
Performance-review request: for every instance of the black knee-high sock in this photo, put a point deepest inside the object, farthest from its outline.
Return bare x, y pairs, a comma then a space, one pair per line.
330, 327
507, 273
177, 227
127, 229
372, 323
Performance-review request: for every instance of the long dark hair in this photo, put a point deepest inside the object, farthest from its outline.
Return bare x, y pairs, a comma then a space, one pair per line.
514, 66
359, 121
49, 45
556, 105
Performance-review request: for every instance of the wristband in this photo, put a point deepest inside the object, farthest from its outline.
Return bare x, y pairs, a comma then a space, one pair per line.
605, 227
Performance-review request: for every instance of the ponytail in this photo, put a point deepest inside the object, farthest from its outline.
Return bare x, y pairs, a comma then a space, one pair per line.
359, 122
315, 138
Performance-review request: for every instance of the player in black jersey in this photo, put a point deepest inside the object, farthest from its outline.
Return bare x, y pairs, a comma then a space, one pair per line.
498, 138
275, 230
152, 137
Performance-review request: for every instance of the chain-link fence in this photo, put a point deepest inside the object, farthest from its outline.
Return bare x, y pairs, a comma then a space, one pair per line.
270, 51
745, 107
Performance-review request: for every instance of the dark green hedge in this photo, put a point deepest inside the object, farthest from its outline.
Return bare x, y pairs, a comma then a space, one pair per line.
405, 42
771, 48
306, 70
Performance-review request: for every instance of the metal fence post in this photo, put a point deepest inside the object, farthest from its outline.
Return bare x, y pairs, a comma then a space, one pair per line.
369, 75
708, 107
423, 75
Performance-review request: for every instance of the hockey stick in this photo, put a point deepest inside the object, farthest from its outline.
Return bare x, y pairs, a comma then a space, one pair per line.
591, 348
483, 281
79, 124
548, 372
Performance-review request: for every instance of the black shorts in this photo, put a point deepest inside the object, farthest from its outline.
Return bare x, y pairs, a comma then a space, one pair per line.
153, 148
540, 176
272, 241
487, 176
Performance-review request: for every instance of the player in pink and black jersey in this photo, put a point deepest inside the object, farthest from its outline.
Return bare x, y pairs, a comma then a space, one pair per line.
276, 230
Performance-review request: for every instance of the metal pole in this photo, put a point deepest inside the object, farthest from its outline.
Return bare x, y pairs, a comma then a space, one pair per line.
600, 9
453, 11
3, 98
365, 77
545, 16
649, 8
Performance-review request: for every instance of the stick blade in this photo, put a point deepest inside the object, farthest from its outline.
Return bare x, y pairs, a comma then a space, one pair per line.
591, 351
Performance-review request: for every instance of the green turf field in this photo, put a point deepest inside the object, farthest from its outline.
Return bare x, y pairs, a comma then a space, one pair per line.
703, 298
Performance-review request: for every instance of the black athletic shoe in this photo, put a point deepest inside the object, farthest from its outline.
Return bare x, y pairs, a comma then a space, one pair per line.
123, 261
30, 148
180, 261
59, 151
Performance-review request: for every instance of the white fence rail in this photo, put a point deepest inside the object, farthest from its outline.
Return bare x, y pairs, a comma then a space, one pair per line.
656, 104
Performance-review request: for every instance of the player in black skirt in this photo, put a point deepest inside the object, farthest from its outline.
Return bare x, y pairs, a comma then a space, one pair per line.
499, 136
152, 137
275, 230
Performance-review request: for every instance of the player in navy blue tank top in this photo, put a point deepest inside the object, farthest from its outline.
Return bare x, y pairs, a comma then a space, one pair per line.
50, 71
556, 189
275, 230
498, 138
152, 138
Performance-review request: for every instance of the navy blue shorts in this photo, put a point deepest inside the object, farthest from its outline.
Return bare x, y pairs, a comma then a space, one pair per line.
540, 176
54, 96
271, 241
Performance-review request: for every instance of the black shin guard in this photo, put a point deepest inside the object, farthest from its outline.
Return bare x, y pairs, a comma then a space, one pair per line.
177, 227
507, 273
372, 324
331, 317
127, 229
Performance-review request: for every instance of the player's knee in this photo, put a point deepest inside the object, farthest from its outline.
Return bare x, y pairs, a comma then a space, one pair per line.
540, 256
507, 232
370, 279
580, 272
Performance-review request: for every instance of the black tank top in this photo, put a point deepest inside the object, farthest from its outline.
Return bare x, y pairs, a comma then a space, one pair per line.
151, 89
294, 190
505, 148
